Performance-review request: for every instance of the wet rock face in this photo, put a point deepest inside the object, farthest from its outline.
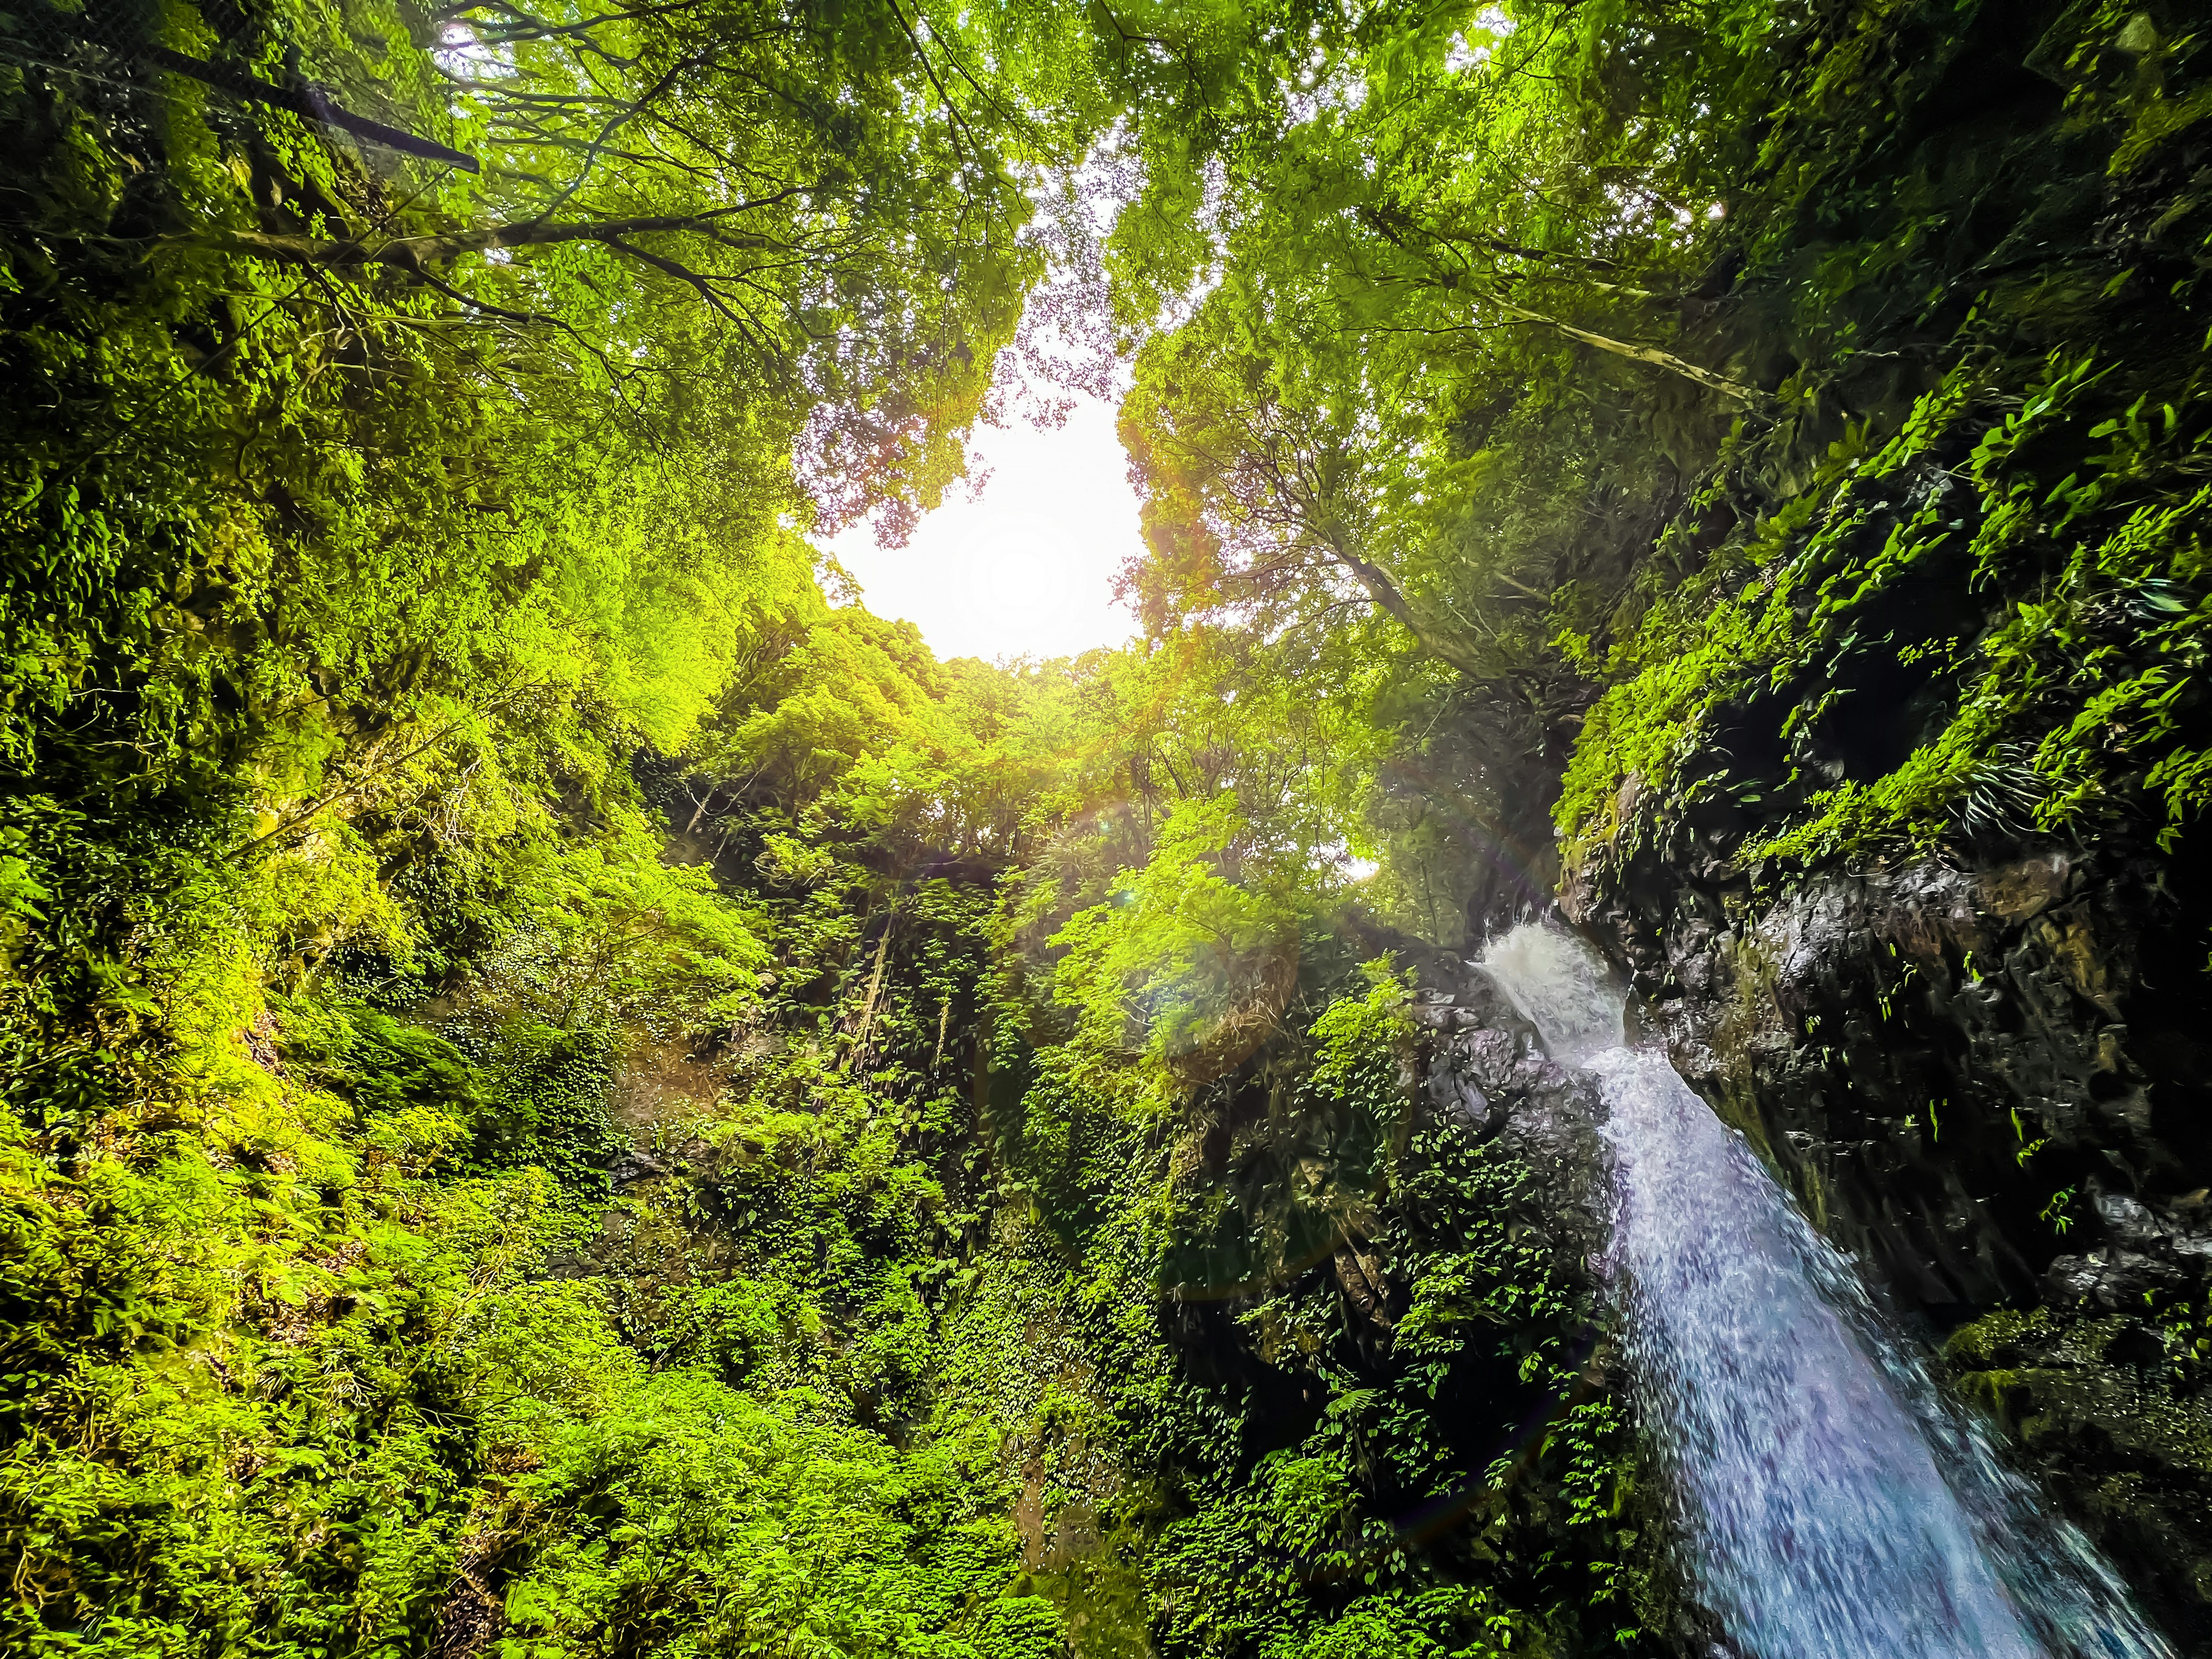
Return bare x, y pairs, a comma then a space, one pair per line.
1483, 1072
1990, 1086
1959, 1070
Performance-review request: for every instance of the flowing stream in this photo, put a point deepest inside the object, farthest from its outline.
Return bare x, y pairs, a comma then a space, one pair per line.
1832, 1503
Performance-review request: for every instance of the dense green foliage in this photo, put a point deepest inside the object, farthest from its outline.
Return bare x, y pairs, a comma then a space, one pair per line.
563, 1091
1788, 412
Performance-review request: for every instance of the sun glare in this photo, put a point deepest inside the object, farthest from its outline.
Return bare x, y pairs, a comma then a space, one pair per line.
1025, 566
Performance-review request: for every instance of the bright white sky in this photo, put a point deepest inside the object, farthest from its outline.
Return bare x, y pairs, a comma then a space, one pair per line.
1026, 568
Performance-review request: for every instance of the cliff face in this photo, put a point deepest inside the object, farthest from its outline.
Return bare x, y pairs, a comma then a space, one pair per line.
1988, 1083
1891, 807
1482, 1077
1404, 1265
1484, 1074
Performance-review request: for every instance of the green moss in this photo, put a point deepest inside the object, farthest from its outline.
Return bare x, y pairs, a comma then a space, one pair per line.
2070, 705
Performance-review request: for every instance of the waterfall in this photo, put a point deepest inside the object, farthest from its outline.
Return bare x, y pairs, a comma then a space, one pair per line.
1832, 1503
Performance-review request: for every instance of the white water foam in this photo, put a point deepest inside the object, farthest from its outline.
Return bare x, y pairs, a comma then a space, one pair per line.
1832, 1503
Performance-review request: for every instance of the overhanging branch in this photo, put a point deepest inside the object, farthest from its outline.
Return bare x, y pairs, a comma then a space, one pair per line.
309, 101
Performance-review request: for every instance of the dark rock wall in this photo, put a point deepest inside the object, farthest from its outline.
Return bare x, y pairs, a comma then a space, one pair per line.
1483, 1070
1989, 1083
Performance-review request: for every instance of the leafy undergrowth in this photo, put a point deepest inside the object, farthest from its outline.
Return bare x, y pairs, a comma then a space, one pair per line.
327, 1334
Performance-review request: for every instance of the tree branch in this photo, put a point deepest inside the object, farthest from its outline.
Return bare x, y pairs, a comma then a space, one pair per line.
412, 253
308, 101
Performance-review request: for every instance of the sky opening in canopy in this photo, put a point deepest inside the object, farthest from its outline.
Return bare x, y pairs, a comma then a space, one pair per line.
1023, 566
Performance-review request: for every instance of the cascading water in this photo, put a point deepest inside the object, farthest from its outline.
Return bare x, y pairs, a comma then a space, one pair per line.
1832, 1503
